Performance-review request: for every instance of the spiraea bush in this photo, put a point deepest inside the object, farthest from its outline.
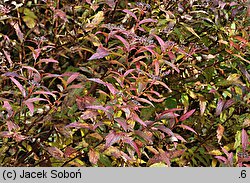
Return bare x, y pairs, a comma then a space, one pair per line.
124, 83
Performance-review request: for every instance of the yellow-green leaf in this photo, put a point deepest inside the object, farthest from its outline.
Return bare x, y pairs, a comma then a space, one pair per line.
237, 139
29, 21
98, 18
29, 13
190, 29
215, 152
158, 165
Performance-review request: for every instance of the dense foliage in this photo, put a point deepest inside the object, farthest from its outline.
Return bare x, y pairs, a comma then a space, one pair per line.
124, 83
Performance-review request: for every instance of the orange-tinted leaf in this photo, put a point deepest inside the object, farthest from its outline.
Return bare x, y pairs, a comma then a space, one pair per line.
244, 140
5, 134
80, 125
18, 137
70, 152
93, 156
220, 131
89, 114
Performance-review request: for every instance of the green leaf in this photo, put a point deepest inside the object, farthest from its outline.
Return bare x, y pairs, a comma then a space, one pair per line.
170, 103
105, 161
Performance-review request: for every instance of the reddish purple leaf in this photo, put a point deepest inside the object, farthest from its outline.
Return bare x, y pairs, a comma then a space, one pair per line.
100, 53
165, 157
98, 107
129, 141
45, 93
163, 84
225, 151
55, 152
20, 87
144, 136
18, 137
128, 72
179, 137
157, 67
11, 74
82, 102
30, 105
186, 115
147, 48
7, 106
187, 128
112, 138
111, 88
5, 134
34, 100
38, 75
171, 110
75, 86
18, 30
155, 99
165, 130
130, 13
171, 55
147, 20
97, 80
219, 107
72, 77
61, 14
224, 160
36, 53
244, 140
144, 100
136, 118
7, 55
172, 65
228, 103
122, 122
126, 44
12, 126
161, 42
